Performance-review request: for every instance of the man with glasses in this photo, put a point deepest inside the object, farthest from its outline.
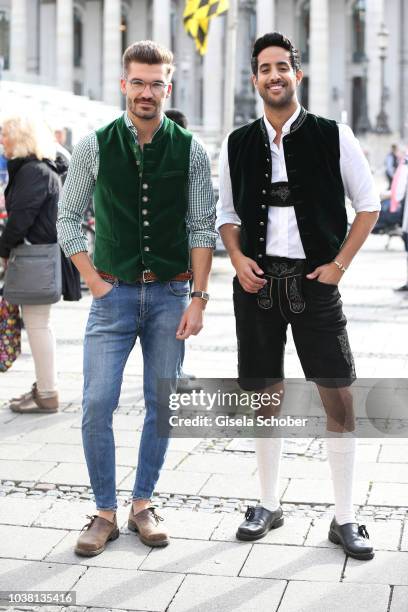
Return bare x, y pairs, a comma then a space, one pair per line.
154, 210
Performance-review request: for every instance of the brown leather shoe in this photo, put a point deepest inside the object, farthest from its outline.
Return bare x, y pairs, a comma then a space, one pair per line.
98, 532
23, 396
31, 402
145, 523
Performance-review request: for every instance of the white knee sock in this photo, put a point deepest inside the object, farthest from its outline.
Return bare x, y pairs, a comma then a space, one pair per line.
341, 453
268, 456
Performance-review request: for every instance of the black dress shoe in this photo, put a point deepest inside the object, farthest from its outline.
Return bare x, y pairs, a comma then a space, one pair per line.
258, 521
352, 537
403, 288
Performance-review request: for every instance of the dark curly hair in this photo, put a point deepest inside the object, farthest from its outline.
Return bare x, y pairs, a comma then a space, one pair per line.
274, 39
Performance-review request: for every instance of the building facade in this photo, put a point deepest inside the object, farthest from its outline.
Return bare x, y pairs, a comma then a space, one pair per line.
76, 45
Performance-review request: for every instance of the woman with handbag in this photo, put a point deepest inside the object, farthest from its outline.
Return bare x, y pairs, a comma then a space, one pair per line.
31, 199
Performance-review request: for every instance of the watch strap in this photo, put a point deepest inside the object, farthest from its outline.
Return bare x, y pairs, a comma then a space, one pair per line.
201, 294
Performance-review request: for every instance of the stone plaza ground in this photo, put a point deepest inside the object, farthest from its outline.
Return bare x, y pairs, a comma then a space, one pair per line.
206, 484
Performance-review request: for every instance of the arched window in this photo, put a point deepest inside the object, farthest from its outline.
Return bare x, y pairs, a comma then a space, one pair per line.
4, 41
78, 39
304, 34
358, 29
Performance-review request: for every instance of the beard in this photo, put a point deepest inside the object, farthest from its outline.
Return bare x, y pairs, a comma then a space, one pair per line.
284, 100
133, 107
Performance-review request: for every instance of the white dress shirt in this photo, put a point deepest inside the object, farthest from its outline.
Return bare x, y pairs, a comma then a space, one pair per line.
282, 236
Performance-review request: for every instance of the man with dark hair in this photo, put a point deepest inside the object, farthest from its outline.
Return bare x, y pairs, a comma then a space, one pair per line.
282, 217
391, 164
154, 211
274, 39
177, 116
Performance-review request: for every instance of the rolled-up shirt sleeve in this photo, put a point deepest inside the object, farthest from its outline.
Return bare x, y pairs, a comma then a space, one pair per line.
76, 195
356, 174
225, 205
200, 218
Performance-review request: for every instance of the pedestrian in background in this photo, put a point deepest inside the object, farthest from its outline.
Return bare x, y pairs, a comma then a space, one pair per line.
401, 195
391, 164
31, 199
177, 116
60, 134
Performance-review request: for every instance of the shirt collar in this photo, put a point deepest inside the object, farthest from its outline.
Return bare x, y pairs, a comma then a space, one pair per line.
133, 129
286, 126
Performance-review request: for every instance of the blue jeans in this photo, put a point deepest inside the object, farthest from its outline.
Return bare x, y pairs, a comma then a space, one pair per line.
152, 312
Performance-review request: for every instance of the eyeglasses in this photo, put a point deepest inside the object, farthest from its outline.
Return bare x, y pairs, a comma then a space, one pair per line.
156, 87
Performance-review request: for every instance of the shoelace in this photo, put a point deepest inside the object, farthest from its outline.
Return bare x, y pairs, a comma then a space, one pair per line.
250, 513
156, 517
91, 520
362, 530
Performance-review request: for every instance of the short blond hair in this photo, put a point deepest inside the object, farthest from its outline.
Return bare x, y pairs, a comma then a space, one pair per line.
31, 136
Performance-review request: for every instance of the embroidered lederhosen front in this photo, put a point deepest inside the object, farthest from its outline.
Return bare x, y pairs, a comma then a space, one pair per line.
288, 272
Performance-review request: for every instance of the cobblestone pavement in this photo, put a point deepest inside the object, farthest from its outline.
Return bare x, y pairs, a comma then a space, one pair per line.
206, 483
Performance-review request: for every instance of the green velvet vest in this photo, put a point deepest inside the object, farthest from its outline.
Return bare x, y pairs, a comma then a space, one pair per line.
312, 157
141, 199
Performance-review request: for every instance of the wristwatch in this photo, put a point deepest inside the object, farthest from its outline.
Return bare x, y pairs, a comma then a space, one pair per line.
201, 294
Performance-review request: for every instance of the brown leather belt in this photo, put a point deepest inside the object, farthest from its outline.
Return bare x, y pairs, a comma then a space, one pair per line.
147, 276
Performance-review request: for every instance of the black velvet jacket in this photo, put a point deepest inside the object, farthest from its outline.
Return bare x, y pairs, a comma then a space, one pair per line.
312, 157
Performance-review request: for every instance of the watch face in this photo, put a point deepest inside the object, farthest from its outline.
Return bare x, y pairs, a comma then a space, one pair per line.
201, 294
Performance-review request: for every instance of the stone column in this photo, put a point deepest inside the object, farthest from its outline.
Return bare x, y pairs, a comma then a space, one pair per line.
161, 22
213, 78
65, 44
93, 27
18, 39
138, 18
265, 22
319, 88
404, 71
112, 47
374, 19
265, 16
